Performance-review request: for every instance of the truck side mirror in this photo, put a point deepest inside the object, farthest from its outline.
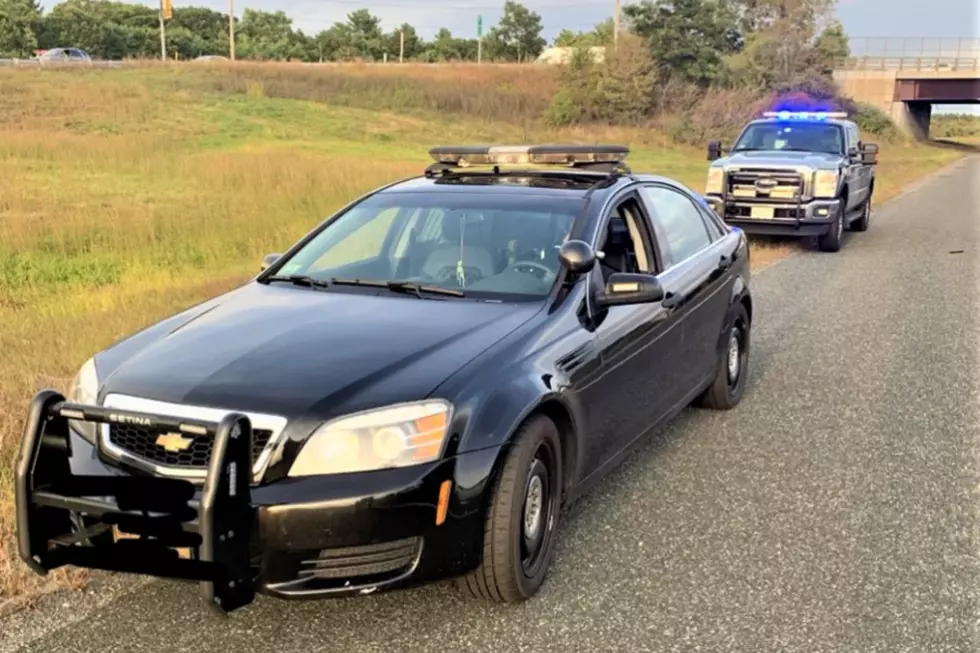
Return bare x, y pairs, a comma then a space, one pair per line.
869, 154
714, 150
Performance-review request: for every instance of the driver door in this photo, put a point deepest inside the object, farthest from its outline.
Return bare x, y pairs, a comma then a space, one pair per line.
637, 344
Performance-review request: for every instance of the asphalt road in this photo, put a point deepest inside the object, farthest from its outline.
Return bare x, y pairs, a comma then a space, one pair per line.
837, 509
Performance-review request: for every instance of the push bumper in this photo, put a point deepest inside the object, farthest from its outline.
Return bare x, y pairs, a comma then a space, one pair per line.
295, 538
813, 218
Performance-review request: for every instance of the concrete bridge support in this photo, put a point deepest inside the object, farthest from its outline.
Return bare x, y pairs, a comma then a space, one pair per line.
912, 118
907, 96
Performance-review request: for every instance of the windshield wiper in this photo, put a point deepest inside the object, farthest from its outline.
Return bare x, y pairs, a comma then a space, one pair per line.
300, 280
400, 286
418, 289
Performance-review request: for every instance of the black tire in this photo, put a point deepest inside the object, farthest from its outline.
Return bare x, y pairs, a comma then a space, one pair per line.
861, 224
506, 574
831, 241
726, 390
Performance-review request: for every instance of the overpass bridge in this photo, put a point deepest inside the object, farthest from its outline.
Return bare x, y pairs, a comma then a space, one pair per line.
906, 77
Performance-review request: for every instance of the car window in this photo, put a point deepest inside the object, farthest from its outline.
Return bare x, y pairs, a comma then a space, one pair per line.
679, 224
625, 243
486, 244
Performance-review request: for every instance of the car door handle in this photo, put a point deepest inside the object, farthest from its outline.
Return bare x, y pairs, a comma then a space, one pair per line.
724, 262
672, 300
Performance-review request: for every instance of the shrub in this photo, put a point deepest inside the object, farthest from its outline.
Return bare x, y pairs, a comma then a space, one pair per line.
619, 90
720, 114
872, 120
955, 125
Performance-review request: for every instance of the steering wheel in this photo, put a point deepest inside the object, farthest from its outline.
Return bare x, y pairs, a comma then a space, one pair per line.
533, 268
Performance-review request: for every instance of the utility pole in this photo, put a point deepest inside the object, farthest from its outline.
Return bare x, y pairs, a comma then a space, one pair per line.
401, 46
231, 29
479, 39
166, 11
616, 25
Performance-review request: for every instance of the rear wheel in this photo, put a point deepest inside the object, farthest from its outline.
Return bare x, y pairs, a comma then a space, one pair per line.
519, 533
725, 392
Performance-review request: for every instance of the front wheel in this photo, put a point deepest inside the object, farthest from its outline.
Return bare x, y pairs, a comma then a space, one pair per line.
830, 241
725, 391
519, 532
861, 224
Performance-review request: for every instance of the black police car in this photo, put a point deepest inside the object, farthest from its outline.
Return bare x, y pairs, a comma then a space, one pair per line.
414, 391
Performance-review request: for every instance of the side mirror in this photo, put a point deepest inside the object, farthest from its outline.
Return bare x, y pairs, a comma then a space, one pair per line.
577, 256
853, 151
625, 288
869, 154
714, 150
268, 260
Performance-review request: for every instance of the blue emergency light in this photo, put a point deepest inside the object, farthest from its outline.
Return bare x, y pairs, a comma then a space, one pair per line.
804, 115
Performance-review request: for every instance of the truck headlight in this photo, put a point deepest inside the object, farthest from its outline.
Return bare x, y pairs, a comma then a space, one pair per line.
825, 183
716, 178
395, 436
84, 389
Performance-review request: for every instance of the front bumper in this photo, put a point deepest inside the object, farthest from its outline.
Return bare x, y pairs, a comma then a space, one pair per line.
768, 218
304, 537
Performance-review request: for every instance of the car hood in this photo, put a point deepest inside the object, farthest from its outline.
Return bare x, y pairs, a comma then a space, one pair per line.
776, 157
300, 352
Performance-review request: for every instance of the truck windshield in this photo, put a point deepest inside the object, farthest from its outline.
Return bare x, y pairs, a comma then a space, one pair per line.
795, 137
485, 244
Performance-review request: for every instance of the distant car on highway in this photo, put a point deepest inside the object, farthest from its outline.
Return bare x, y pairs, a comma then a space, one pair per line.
795, 174
415, 390
64, 55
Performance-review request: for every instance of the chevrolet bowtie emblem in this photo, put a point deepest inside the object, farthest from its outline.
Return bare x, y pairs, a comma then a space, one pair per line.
174, 442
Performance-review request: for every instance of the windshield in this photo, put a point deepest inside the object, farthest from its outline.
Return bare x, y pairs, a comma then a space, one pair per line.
800, 137
485, 244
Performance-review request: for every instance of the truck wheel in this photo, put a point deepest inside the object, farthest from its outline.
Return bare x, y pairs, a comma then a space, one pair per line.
861, 224
830, 241
519, 533
725, 392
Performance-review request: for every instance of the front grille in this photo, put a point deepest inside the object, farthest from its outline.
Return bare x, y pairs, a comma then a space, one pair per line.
142, 442
789, 184
361, 563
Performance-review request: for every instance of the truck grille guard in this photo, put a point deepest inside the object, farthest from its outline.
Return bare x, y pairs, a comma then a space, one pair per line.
797, 195
159, 513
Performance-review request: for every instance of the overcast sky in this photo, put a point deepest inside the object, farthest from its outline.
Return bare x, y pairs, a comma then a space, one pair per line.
931, 18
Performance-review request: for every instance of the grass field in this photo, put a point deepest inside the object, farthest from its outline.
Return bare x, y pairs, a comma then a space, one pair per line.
126, 195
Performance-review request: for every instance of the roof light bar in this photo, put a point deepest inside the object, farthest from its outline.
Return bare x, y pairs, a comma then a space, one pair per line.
473, 155
805, 115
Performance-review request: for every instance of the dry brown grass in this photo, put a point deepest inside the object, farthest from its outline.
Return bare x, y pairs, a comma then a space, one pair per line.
127, 195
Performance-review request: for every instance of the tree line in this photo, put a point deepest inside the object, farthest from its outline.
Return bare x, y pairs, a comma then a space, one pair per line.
701, 40
119, 30
750, 47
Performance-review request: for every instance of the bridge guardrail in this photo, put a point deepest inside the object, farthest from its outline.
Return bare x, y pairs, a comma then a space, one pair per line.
909, 63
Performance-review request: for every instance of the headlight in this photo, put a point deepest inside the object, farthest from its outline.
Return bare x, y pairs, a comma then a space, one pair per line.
825, 183
397, 436
716, 177
84, 389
